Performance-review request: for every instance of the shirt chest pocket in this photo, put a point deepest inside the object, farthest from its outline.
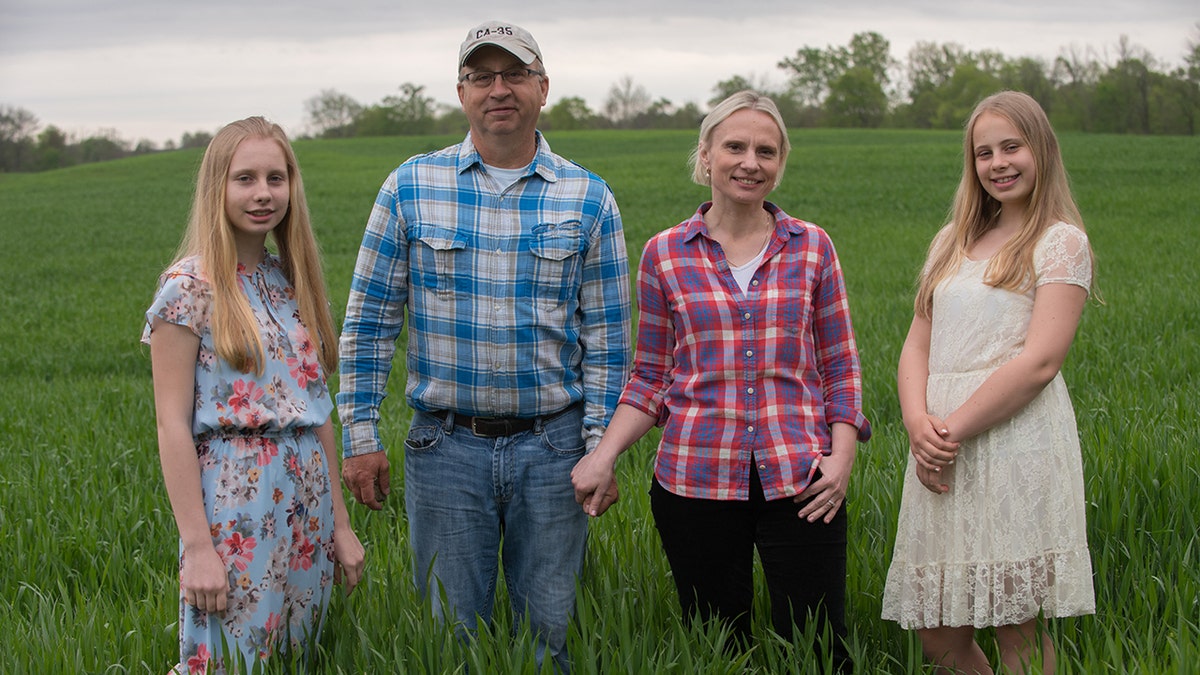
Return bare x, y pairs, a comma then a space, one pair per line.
791, 311
437, 259
552, 273
790, 300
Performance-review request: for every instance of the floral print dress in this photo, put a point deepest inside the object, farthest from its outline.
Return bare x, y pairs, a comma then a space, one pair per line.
264, 474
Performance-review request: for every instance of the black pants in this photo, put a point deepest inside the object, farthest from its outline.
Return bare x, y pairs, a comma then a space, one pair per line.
710, 547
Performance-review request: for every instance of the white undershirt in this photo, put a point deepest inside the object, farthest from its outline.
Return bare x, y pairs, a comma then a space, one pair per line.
743, 273
506, 177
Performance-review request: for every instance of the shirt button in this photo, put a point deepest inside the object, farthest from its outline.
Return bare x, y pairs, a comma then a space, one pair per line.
754, 283
749, 390
749, 352
762, 467
750, 429
746, 316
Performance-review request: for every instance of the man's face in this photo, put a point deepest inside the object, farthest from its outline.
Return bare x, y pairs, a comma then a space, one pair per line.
501, 108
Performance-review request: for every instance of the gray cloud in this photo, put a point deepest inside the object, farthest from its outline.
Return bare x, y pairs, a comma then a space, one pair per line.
32, 25
156, 69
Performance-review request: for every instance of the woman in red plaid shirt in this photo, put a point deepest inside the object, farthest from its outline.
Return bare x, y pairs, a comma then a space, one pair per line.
747, 360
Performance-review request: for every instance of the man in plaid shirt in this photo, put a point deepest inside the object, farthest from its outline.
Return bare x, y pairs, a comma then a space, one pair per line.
510, 262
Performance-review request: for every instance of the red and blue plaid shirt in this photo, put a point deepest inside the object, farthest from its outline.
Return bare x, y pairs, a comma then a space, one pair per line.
737, 377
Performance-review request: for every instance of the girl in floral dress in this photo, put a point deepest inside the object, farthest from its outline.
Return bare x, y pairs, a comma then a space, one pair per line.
992, 529
240, 341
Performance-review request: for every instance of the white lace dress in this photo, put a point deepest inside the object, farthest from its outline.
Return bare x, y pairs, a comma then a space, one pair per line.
1010, 537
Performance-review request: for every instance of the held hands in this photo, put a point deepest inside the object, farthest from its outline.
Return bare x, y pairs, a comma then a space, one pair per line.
595, 485
368, 478
204, 579
930, 446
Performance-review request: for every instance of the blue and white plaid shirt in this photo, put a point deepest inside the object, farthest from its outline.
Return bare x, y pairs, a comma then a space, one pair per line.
517, 299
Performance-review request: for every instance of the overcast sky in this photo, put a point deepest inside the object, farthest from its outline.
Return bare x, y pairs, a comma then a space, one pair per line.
154, 69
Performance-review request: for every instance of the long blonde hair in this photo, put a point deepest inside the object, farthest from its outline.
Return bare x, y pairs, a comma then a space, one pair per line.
975, 211
210, 237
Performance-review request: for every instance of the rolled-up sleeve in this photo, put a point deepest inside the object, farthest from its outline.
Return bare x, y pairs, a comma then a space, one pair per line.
647, 388
837, 352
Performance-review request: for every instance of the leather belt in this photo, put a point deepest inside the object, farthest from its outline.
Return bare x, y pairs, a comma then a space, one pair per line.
495, 427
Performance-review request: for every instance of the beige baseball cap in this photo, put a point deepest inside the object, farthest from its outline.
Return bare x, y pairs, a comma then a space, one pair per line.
509, 37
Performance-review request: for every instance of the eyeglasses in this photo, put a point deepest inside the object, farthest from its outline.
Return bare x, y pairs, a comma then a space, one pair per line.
486, 78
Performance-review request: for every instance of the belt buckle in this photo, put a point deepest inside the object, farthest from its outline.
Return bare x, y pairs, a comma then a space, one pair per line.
486, 420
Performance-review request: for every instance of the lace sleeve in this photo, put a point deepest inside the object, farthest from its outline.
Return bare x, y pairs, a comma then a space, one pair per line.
1063, 257
940, 239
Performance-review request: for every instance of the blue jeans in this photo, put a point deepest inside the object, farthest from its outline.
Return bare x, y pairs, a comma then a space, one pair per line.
473, 501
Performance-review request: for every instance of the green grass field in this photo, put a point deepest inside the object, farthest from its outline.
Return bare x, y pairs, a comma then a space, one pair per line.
88, 572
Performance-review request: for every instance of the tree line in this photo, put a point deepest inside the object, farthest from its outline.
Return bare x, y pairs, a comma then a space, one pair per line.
856, 85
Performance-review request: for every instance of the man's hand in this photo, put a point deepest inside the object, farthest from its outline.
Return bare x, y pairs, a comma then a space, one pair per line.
368, 478
595, 484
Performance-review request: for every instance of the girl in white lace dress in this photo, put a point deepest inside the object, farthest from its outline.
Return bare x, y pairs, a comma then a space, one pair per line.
992, 526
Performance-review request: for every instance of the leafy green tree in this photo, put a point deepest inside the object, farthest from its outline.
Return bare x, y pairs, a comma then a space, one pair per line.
856, 99
410, 113
195, 139
413, 109
1123, 92
663, 114
451, 120
569, 113
791, 109
1175, 99
812, 69
1187, 86
1174, 104
1031, 76
331, 114
659, 115
931, 65
52, 151
928, 68
102, 147
625, 102
688, 116
1192, 58
795, 114
872, 52
959, 96
16, 137
1076, 74
726, 88
376, 120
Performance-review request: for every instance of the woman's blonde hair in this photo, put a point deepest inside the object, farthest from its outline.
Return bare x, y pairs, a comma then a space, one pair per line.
742, 100
975, 211
210, 237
